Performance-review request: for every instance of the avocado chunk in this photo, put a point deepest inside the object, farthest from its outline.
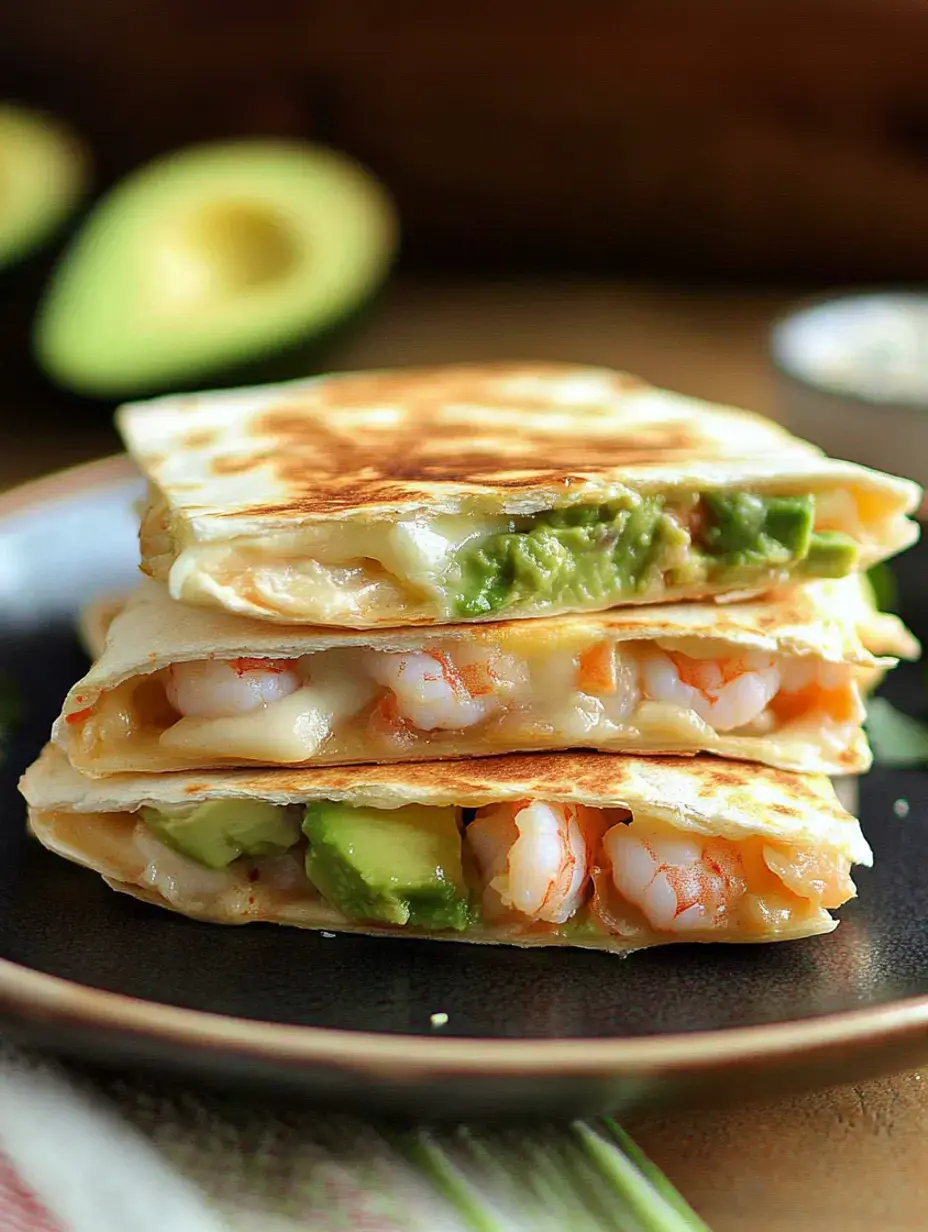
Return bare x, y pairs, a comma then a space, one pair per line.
745, 528
400, 866
831, 554
601, 554
218, 264
217, 832
44, 173
576, 555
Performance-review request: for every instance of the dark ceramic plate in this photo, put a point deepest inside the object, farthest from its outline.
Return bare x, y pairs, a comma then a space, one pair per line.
96, 974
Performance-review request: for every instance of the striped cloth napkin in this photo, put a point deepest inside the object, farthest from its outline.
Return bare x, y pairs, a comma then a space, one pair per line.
127, 1155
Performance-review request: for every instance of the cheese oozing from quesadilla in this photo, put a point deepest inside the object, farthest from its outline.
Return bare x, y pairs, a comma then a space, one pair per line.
556, 849
475, 493
778, 682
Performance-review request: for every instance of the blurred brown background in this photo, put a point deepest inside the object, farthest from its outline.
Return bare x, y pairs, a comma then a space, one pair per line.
746, 138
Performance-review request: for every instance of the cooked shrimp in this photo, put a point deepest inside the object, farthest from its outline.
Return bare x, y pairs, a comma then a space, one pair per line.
596, 669
386, 726
809, 684
822, 877
797, 672
223, 688
725, 693
535, 858
679, 883
434, 690
603, 671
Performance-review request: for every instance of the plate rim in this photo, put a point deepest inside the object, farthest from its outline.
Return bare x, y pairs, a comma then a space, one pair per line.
35, 996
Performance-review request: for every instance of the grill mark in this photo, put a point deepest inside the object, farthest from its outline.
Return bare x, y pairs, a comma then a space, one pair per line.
384, 438
723, 786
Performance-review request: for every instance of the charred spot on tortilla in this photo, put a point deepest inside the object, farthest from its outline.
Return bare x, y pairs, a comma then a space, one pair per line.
387, 457
477, 492
201, 439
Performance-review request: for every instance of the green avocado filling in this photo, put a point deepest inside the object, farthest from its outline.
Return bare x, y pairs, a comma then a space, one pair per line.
831, 554
581, 926
398, 866
217, 832
746, 529
577, 556
608, 553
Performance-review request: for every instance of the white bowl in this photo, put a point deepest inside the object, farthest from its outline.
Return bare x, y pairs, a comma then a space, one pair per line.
852, 376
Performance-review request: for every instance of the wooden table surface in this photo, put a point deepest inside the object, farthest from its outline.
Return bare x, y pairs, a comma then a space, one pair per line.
853, 1158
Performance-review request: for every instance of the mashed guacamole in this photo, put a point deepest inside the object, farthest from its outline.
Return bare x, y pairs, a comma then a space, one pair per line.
611, 552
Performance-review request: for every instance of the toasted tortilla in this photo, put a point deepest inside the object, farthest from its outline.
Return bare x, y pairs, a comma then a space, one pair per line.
279, 502
94, 620
117, 719
92, 822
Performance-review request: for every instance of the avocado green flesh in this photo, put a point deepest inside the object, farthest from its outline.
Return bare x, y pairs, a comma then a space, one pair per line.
573, 557
216, 259
43, 176
398, 866
744, 528
609, 553
581, 925
217, 832
831, 554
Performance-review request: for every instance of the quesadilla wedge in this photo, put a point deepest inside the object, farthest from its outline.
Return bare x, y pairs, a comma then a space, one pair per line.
181, 687
476, 493
584, 849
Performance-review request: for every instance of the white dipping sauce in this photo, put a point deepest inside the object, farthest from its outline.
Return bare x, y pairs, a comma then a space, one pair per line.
867, 346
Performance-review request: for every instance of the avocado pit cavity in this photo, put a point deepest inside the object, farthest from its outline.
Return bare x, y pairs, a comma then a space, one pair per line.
225, 250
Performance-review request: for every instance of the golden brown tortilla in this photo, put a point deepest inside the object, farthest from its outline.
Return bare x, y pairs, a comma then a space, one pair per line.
248, 483
92, 822
831, 622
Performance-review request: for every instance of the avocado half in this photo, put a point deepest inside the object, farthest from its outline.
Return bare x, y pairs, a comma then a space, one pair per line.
44, 173
212, 266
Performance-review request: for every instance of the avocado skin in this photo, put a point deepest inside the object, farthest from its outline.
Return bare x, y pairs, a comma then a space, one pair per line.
217, 832
220, 301
396, 866
24, 268
21, 285
23, 279
309, 357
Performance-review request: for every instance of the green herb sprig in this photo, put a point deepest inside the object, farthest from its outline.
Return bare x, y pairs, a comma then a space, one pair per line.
588, 1177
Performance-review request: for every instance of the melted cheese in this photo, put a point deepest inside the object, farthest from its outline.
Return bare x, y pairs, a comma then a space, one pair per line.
539, 703
332, 572
289, 730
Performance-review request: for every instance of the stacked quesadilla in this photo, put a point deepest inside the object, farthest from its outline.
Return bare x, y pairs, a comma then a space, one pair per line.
482, 653
180, 687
